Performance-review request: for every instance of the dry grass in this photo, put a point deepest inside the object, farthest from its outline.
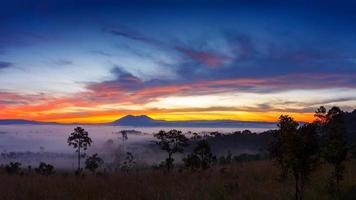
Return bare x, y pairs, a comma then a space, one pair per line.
252, 180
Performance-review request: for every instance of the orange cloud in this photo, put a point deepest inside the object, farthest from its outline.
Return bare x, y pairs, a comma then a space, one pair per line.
100, 102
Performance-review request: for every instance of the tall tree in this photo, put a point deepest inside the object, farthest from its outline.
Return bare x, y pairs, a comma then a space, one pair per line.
79, 139
332, 128
295, 150
201, 158
172, 142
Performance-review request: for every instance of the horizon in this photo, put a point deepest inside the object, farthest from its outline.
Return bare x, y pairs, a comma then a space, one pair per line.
183, 120
94, 62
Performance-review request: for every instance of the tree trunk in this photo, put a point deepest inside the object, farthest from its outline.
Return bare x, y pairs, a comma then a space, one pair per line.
296, 176
78, 159
301, 196
169, 162
337, 181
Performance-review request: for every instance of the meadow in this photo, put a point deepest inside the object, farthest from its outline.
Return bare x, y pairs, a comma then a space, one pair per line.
246, 180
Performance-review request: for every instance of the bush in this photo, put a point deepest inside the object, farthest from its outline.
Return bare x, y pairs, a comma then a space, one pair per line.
13, 168
45, 169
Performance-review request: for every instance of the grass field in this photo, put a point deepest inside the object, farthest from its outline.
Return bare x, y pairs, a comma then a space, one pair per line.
251, 180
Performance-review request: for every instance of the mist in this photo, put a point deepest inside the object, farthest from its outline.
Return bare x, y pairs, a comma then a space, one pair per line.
31, 144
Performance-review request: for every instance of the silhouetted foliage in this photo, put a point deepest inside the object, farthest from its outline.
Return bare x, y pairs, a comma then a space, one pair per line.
196, 136
201, 158
92, 163
79, 139
124, 137
334, 143
215, 134
13, 168
295, 150
45, 169
226, 160
129, 162
172, 142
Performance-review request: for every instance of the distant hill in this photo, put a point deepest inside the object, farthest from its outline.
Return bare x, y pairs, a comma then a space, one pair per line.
130, 120
22, 121
144, 120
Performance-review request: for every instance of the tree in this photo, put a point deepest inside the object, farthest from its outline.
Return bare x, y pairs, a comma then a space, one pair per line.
124, 137
201, 158
13, 168
79, 139
286, 126
45, 169
92, 163
296, 151
225, 160
172, 142
332, 128
129, 162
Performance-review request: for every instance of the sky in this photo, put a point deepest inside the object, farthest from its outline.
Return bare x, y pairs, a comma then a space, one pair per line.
96, 61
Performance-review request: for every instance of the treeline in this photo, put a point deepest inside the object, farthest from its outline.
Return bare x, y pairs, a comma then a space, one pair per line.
299, 150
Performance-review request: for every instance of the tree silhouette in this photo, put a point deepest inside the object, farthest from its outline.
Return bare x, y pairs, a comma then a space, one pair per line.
124, 137
92, 163
295, 150
45, 169
332, 128
79, 139
201, 158
277, 147
129, 162
13, 168
172, 142
226, 160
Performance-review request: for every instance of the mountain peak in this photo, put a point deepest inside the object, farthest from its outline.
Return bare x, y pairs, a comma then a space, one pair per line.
136, 117
132, 120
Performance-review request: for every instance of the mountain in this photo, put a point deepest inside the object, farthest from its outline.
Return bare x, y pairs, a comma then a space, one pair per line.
22, 121
144, 120
130, 120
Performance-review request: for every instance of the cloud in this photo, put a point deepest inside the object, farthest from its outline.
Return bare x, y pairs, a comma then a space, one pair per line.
63, 62
210, 59
124, 82
133, 35
102, 53
128, 88
4, 65
9, 39
249, 56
